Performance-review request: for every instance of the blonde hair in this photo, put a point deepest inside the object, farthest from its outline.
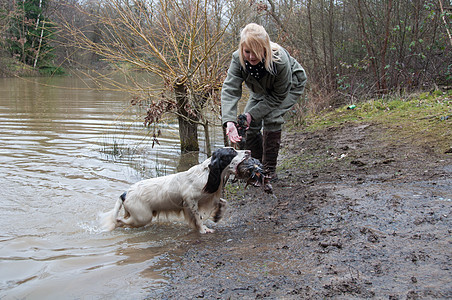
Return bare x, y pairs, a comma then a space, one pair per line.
256, 38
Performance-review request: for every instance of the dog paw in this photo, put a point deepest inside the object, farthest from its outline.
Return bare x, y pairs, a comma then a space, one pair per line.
206, 229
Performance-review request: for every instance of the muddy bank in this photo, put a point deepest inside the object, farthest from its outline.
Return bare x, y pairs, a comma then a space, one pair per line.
356, 214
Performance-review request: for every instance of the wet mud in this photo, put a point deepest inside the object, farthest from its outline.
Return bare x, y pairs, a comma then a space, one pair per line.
355, 214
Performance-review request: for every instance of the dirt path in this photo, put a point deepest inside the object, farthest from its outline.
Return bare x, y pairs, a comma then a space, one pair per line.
357, 214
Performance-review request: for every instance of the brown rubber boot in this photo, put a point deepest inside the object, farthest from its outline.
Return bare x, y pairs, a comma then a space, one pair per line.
254, 144
272, 143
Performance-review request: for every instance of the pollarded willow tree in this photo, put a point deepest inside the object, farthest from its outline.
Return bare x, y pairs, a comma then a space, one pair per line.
182, 42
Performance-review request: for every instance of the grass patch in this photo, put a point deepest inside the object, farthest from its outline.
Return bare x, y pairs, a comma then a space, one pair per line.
307, 161
12, 67
118, 149
421, 119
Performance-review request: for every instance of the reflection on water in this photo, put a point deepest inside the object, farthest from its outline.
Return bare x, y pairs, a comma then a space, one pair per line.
65, 157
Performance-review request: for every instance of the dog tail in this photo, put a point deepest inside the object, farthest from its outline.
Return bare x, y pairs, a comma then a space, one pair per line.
108, 220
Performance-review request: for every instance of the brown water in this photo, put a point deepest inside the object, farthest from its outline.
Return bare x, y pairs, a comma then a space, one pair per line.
60, 166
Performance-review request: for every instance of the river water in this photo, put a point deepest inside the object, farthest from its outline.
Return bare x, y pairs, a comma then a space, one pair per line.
66, 154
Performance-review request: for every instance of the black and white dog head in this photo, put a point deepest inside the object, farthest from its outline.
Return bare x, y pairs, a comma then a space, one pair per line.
224, 161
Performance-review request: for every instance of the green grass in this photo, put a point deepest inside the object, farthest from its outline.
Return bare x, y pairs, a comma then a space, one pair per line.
419, 119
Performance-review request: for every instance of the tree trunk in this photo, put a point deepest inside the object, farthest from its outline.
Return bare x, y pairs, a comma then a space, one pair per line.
188, 127
207, 135
370, 49
384, 48
40, 40
39, 46
331, 49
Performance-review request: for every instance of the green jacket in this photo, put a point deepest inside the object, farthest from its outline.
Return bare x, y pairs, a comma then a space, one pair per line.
270, 91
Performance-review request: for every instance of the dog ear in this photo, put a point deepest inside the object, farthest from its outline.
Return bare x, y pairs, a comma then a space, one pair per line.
221, 158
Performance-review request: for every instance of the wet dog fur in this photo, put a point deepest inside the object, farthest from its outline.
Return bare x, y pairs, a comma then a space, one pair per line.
195, 192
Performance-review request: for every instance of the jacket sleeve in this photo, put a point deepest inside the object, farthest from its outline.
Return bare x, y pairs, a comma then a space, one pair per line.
299, 80
277, 93
231, 92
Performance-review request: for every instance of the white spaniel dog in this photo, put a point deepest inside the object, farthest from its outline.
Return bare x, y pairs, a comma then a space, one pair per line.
195, 192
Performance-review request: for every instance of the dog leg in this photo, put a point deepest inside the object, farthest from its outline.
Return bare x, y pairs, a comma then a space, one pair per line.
192, 216
219, 212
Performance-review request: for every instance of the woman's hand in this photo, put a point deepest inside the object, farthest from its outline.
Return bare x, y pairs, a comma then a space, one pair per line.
231, 132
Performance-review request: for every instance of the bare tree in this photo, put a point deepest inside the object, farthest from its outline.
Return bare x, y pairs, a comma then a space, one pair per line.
181, 42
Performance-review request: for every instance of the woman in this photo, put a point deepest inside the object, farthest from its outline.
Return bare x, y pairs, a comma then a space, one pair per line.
276, 81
